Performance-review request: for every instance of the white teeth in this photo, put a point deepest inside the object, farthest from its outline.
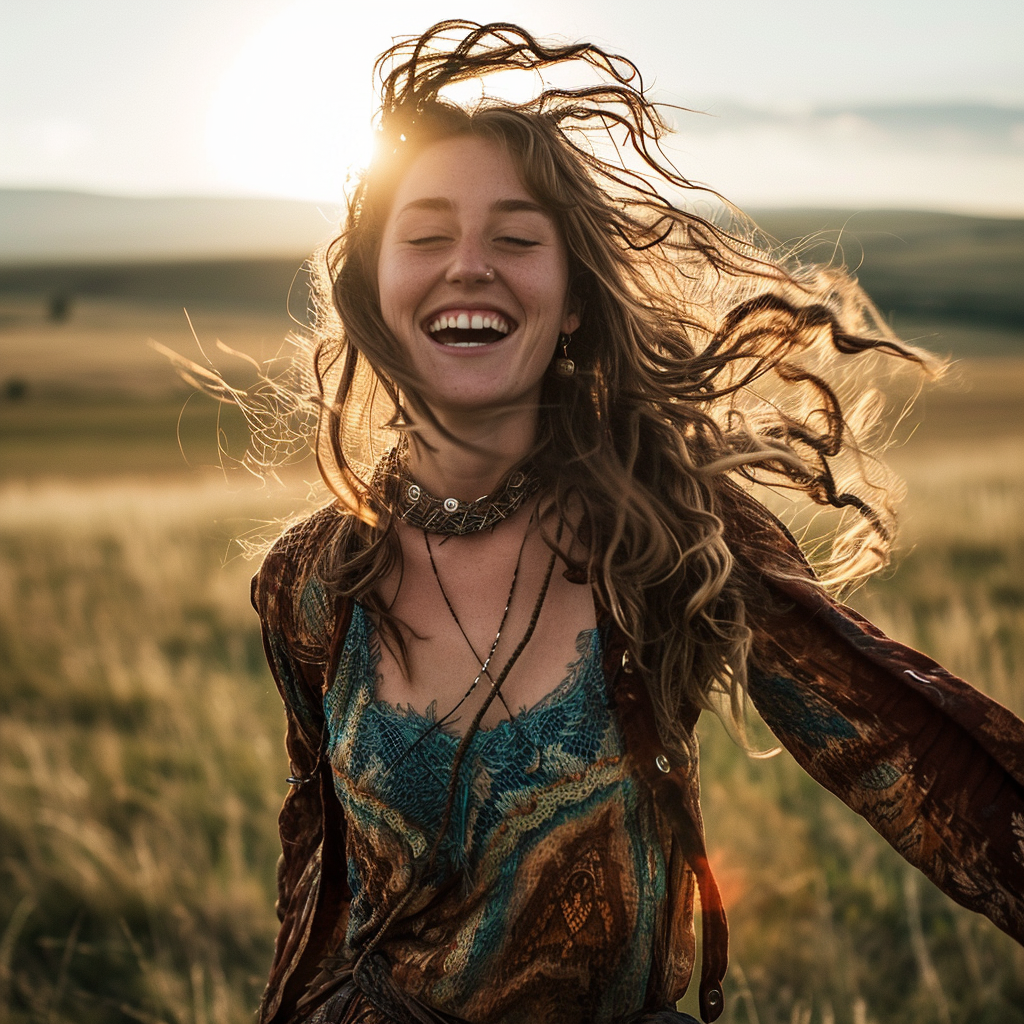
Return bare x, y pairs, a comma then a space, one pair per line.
467, 321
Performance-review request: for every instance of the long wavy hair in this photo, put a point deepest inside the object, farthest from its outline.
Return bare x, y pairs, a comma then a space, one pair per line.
707, 363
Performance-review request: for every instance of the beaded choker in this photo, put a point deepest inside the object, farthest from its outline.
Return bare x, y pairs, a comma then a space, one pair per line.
455, 518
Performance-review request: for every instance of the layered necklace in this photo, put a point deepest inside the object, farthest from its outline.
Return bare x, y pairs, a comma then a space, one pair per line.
450, 517
484, 663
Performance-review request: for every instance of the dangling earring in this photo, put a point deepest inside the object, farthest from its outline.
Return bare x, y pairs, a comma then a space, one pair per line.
565, 367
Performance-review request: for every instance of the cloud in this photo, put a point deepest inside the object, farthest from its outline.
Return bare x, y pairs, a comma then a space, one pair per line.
954, 156
938, 126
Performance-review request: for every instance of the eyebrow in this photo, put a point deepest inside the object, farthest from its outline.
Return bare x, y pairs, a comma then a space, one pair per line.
439, 205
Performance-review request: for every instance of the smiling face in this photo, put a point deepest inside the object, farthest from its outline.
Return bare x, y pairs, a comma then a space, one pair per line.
473, 279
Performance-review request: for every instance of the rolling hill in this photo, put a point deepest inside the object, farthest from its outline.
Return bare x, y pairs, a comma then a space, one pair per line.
251, 251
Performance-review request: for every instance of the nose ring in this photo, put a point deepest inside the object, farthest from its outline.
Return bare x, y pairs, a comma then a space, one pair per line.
489, 274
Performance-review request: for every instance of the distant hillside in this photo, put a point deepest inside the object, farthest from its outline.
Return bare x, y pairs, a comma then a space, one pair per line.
931, 264
249, 283
38, 226
250, 252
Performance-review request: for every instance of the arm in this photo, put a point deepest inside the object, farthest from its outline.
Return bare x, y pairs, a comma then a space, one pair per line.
935, 766
301, 632
296, 638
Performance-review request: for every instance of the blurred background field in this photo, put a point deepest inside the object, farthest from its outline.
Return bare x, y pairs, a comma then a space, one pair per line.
141, 763
160, 156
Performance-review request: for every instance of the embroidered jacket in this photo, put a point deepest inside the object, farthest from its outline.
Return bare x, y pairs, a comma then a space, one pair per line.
935, 766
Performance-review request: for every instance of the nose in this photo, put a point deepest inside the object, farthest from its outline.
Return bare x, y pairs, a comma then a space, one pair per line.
469, 265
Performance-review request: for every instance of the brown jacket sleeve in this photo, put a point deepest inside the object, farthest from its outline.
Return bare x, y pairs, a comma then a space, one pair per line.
935, 766
296, 634
301, 626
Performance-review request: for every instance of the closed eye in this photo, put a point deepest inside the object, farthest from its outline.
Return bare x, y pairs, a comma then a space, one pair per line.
525, 243
428, 240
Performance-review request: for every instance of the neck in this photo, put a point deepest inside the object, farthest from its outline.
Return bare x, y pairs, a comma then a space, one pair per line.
484, 450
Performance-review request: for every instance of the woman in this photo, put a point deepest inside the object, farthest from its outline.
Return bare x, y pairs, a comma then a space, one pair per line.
476, 831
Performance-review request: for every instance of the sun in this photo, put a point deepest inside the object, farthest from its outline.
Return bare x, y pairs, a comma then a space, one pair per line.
291, 115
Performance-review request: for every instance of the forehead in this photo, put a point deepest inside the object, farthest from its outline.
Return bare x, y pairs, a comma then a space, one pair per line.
465, 171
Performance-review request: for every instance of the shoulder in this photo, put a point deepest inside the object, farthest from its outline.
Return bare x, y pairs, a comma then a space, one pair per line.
758, 540
287, 590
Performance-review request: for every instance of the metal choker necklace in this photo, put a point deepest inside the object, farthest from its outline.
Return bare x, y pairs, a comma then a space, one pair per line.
455, 518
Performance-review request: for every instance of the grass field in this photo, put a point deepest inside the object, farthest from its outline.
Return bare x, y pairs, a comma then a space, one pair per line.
141, 765
96, 399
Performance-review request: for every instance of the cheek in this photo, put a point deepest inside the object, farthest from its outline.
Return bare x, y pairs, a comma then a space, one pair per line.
559, 278
385, 294
394, 291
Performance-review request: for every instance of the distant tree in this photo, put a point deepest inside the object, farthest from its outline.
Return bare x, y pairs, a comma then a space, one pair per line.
15, 389
60, 307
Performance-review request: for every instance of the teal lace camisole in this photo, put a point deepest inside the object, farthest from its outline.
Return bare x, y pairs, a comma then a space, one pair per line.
549, 887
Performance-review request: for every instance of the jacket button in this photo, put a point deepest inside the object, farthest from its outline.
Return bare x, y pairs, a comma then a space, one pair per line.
662, 762
627, 662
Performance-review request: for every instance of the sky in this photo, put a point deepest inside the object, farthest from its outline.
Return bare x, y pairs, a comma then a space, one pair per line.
918, 103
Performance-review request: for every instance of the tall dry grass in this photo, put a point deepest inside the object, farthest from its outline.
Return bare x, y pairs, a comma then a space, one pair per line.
141, 767
141, 770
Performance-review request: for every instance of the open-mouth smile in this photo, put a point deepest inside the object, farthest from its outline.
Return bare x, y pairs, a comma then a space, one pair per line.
469, 328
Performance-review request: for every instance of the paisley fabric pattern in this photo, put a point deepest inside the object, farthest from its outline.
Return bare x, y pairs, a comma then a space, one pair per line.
551, 875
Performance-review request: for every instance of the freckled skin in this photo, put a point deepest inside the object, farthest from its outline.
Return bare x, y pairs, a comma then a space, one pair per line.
470, 252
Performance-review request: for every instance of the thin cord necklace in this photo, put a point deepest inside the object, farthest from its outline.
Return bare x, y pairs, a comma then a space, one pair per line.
495, 691
484, 663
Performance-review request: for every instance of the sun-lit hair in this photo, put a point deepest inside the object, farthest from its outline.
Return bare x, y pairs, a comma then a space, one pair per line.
708, 364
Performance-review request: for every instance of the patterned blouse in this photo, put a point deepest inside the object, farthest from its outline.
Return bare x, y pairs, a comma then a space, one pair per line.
551, 874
